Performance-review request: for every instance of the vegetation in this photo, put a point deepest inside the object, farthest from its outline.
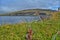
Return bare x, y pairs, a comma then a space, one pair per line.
42, 30
28, 12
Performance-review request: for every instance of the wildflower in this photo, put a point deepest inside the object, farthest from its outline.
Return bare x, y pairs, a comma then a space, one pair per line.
29, 34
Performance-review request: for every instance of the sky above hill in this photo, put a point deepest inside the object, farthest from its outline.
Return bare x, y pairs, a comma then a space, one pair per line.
13, 5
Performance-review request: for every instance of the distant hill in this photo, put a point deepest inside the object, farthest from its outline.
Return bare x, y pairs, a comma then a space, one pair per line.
29, 12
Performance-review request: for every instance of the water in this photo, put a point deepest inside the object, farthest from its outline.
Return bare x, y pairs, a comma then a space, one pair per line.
17, 19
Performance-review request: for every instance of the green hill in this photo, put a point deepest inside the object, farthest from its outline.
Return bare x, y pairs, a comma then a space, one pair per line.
28, 12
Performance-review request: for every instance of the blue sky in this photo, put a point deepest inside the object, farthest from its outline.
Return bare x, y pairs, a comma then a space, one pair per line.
13, 5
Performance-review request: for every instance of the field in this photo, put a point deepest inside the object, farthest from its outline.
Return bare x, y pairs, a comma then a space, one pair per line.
43, 30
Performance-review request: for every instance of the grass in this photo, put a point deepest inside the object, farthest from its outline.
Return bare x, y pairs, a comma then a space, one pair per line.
42, 30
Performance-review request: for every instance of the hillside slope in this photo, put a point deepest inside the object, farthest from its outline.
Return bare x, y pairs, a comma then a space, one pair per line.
28, 12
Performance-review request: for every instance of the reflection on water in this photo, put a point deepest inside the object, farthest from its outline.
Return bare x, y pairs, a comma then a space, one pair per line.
17, 19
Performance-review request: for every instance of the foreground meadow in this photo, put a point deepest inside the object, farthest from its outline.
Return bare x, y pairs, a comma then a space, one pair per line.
43, 30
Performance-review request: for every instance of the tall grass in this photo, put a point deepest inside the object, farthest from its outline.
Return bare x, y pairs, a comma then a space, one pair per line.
43, 30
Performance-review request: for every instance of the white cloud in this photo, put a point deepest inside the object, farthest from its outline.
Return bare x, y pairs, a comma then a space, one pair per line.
12, 5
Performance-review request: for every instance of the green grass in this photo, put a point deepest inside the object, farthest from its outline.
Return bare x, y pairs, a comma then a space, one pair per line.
43, 30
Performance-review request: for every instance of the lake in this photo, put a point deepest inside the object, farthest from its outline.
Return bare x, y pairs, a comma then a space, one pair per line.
17, 19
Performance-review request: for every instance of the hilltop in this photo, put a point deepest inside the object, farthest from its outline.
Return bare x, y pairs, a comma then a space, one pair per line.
28, 12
